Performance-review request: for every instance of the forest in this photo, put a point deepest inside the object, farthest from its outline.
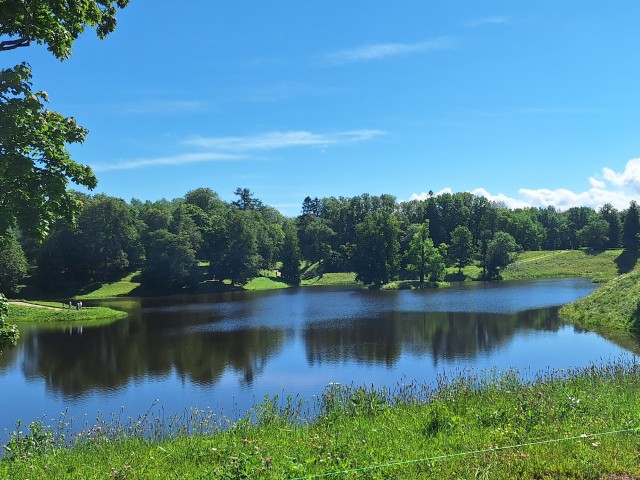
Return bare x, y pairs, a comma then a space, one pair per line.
198, 238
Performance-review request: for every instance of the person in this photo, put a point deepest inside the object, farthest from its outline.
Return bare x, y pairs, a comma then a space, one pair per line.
70, 304
80, 305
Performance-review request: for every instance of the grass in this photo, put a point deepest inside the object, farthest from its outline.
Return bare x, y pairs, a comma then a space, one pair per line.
474, 425
91, 315
265, 283
614, 306
338, 278
600, 265
120, 288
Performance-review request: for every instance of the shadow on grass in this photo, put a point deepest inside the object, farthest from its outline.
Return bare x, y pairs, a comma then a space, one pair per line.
627, 260
455, 277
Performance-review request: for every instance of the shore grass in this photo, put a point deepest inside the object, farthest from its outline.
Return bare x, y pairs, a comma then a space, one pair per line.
91, 315
582, 424
614, 306
265, 283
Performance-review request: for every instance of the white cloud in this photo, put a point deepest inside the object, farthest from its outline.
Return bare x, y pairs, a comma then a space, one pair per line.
493, 20
384, 50
277, 140
174, 160
617, 189
629, 178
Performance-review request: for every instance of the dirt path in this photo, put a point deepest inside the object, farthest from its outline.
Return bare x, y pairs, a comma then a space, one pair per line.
25, 304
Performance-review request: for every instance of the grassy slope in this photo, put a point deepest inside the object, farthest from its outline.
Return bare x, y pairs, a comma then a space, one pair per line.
361, 435
614, 306
600, 266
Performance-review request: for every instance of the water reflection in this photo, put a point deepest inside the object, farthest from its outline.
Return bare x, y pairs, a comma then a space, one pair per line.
438, 334
200, 338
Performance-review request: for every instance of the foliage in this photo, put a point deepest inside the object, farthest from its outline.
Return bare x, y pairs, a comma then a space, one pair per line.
461, 247
13, 264
8, 333
631, 227
170, 261
291, 257
487, 425
376, 257
423, 259
36, 166
594, 234
501, 251
54, 23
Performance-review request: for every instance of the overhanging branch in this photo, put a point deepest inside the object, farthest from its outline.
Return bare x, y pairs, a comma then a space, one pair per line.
13, 44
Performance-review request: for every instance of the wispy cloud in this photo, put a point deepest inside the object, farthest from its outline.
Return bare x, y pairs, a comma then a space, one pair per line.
224, 149
181, 159
615, 188
492, 20
385, 50
278, 140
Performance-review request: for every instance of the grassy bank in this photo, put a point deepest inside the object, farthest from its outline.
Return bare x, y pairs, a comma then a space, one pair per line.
597, 265
614, 306
580, 424
93, 315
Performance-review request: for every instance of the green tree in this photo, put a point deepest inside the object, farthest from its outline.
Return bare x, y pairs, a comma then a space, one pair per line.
594, 234
35, 166
291, 257
461, 246
170, 261
501, 251
631, 227
13, 264
8, 333
612, 217
240, 261
54, 23
376, 255
423, 258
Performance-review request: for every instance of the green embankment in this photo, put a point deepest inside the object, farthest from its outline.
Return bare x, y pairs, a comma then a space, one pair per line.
614, 306
599, 265
583, 424
92, 315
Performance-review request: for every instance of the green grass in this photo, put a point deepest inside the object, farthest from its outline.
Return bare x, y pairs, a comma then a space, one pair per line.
599, 266
340, 278
120, 288
614, 306
265, 283
474, 426
91, 315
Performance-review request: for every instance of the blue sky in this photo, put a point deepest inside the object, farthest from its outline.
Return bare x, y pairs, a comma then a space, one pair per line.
529, 103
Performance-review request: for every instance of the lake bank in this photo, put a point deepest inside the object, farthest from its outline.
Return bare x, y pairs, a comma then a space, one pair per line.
567, 424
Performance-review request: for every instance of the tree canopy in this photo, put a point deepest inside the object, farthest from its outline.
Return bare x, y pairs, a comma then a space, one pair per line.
55, 23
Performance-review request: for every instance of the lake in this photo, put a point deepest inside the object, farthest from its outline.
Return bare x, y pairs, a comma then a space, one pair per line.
227, 351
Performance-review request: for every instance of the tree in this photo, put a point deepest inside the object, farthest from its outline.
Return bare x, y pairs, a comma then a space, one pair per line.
170, 261
246, 200
594, 233
13, 264
423, 258
240, 261
461, 247
501, 251
35, 166
376, 256
56, 24
291, 254
612, 217
8, 333
631, 227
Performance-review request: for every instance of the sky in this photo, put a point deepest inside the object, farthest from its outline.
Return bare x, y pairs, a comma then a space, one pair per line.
529, 103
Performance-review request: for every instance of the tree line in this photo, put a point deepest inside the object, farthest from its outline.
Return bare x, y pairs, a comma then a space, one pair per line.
200, 237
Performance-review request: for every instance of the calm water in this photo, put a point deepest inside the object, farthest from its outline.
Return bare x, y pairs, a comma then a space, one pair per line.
226, 351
